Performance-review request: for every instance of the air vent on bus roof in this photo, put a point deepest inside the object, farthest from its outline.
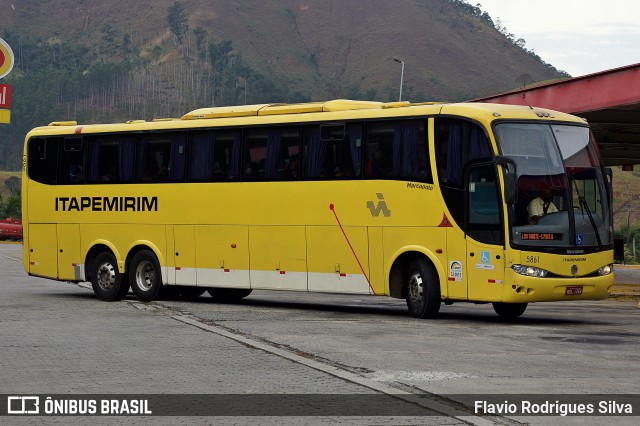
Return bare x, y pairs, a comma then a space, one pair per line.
63, 123
276, 109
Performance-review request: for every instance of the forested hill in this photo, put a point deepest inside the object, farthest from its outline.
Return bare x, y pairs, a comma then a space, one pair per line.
111, 60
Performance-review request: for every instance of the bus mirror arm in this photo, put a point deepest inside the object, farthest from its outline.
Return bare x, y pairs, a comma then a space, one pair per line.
510, 186
506, 161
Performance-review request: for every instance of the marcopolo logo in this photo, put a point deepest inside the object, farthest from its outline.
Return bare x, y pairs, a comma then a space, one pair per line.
23, 405
381, 207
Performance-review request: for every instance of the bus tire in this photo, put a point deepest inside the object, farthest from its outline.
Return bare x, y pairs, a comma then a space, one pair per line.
423, 290
509, 310
145, 276
107, 282
228, 294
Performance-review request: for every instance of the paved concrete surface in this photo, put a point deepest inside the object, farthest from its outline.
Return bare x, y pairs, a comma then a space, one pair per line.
57, 338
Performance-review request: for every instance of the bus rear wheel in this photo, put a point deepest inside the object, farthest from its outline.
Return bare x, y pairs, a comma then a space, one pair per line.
145, 276
423, 290
509, 310
228, 294
107, 282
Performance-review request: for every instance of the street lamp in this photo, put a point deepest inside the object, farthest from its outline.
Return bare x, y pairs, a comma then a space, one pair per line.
401, 77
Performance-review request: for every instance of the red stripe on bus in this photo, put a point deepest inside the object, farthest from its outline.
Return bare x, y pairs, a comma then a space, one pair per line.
332, 208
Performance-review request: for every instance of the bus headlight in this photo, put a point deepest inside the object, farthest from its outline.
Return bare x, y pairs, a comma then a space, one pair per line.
530, 271
605, 270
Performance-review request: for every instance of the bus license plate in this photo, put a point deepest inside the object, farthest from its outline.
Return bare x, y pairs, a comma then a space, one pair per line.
573, 291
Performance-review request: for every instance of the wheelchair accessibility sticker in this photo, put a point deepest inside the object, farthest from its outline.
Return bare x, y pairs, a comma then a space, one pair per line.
485, 261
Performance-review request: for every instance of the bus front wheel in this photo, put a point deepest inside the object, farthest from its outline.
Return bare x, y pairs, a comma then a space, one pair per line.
509, 310
423, 290
107, 282
145, 276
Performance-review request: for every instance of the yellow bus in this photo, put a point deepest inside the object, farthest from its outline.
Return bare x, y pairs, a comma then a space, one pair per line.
426, 202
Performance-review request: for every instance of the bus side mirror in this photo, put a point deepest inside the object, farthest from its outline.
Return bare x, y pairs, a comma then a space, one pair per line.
510, 185
618, 249
510, 188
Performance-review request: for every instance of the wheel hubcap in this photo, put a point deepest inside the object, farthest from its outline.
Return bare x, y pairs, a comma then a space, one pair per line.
106, 277
416, 288
145, 276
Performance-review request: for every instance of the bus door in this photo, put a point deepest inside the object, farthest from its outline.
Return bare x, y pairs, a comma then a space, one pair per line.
185, 255
484, 234
69, 259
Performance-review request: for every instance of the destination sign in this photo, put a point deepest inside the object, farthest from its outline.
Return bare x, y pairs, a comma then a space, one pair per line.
541, 236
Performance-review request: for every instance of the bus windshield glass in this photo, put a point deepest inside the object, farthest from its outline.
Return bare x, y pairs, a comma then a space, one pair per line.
562, 197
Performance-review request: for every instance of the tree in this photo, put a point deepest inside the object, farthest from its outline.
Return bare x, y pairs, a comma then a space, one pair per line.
11, 207
524, 79
13, 184
178, 22
201, 35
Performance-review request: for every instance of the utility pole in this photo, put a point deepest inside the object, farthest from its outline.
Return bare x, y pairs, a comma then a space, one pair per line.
401, 77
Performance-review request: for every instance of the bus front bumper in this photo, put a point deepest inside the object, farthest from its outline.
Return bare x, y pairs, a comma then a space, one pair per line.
523, 289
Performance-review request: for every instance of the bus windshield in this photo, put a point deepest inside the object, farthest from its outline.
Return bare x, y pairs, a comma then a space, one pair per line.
562, 197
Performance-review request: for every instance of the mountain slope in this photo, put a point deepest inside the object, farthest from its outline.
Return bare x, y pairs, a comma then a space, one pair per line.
322, 48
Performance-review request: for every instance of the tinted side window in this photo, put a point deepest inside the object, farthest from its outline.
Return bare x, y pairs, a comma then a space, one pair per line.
72, 161
398, 150
457, 143
110, 159
161, 157
215, 156
43, 159
271, 153
333, 151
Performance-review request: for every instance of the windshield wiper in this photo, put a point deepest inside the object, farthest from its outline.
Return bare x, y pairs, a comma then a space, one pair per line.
585, 208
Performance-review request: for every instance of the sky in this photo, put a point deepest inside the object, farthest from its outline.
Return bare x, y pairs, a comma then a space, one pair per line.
577, 36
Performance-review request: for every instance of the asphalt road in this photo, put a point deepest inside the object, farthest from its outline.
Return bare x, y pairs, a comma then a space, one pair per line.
56, 338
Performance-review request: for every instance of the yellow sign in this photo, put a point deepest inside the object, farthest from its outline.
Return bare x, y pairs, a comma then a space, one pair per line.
5, 116
6, 58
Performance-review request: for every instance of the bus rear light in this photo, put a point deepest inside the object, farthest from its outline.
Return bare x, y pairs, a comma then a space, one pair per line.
530, 271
